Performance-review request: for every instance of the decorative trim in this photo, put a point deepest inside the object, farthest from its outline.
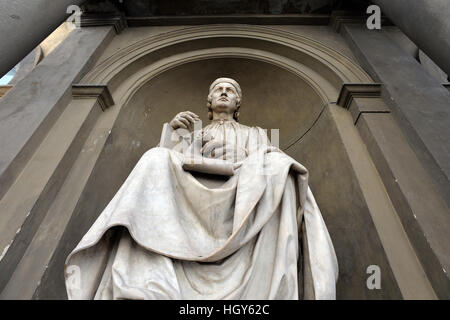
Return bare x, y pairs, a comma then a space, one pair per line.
89, 91
4, 90
349, 91
256, 19
97, 20
343, 67
338, 18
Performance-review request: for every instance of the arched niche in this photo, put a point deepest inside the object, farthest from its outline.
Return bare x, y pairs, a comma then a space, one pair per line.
273, 98
324, 68
289, 82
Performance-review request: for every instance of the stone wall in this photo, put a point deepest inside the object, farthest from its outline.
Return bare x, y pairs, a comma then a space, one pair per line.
72, 156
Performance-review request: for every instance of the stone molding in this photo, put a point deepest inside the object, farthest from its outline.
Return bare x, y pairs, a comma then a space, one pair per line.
131, 67
339, 18
340, 64
256, 19
350, 91
90, 91
325, 69
97, 20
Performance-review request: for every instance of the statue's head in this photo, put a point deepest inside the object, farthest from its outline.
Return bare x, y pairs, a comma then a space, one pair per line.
225, 95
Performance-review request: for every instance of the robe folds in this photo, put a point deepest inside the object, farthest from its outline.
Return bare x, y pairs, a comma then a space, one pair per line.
165, 235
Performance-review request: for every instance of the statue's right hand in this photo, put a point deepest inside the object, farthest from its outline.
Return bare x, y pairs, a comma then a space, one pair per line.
184, 120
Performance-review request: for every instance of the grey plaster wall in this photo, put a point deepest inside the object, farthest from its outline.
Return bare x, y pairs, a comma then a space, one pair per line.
344, 208
418, 101
423, 212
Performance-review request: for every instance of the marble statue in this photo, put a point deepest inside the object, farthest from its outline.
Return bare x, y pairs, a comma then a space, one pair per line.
226, 216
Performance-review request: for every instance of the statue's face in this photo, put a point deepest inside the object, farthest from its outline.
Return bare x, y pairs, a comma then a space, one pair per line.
224, 98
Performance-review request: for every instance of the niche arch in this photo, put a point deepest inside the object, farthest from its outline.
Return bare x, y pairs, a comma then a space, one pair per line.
139, 77
299, 54
317, 69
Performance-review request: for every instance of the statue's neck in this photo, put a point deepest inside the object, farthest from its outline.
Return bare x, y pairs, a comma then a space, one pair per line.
222, 116
222, 120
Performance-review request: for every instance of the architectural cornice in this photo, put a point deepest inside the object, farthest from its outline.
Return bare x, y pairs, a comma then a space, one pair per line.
350, 91
347, 71
255, 19
338, 18
89, 91
96, 20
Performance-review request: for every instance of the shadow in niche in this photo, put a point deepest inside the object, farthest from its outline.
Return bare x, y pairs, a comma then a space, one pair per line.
212, 7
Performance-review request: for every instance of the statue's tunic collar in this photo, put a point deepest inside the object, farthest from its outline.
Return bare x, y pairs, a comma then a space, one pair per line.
229, 131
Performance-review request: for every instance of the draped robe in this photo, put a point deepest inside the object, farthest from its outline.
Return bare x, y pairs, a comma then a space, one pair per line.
165, 235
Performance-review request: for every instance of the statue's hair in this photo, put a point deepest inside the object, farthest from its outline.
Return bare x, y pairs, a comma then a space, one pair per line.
238, 100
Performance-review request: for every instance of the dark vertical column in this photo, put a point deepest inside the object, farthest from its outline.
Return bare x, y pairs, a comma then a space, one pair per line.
35, 110
419, 103
25, 24
426, 23
30, 108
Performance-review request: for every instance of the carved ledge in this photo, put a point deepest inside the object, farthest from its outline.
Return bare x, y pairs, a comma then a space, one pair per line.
338, 18
351, 91
4, 90
99, 92
96, 20
447, 85
255, 19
